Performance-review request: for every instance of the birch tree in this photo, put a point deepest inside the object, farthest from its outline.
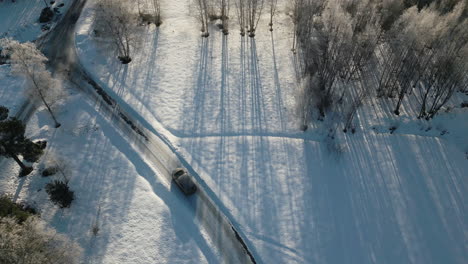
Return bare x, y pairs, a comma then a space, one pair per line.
27, 61
157, 12
224, 15
241, 15
254, 12
426, 51
204, 16
272, 6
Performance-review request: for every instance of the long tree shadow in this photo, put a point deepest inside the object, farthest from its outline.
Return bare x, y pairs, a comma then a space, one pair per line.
257, 105
243, 85
224, 115
196, 107
279, 97
150, 58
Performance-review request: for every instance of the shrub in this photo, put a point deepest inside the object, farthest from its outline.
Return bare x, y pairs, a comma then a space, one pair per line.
33, 150
33, 242
46, 15
3, 113
60, 194
49, 171
20, 212
150, 18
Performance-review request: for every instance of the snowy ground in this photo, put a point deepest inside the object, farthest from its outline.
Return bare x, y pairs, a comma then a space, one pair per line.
228, 106
371, 197
20, 20
11, 90
141, 219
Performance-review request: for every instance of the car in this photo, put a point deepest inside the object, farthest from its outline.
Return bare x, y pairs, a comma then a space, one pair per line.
184, 181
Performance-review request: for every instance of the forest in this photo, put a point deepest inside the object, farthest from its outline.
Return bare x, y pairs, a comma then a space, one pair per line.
404, 50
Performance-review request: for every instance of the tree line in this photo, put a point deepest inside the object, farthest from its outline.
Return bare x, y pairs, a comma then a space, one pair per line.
416, 48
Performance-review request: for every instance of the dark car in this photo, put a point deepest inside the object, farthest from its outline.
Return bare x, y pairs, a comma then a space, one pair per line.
184, 181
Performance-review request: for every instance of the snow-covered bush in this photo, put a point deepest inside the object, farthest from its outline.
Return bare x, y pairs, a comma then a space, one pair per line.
34, 243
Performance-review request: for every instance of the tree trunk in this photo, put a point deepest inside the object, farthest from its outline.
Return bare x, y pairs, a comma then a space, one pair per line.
21, 164
25, 170
57, 124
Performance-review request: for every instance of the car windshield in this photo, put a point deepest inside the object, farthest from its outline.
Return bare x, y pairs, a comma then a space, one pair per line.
178, 173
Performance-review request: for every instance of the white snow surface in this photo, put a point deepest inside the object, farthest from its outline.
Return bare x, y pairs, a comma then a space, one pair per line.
228, 105
12, 90
141, 217
20, 19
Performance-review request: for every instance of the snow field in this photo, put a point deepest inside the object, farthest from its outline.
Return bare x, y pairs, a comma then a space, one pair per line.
371, 197
140, 218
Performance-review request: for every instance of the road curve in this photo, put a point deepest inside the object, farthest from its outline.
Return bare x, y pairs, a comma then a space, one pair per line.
59, 47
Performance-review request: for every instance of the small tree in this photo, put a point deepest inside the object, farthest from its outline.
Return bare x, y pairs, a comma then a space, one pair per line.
241, 15
204, 14
157, 12
14, 143
272, 8
254, 12
27, 61
60, 193
116, 20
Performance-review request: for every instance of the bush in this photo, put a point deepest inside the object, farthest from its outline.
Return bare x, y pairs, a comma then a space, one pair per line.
46, 15
149, 18
60, 194
49, 171
125, 59
33, 150
35, 243
20, 212
3, 112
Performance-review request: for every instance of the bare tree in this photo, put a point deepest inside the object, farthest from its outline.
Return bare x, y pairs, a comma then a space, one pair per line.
204, 16
116, 20
150, 12
225, 8
29, 62
254, 12
425, 50
335, 40
249, 13
273, 4
157, 12
241, 15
